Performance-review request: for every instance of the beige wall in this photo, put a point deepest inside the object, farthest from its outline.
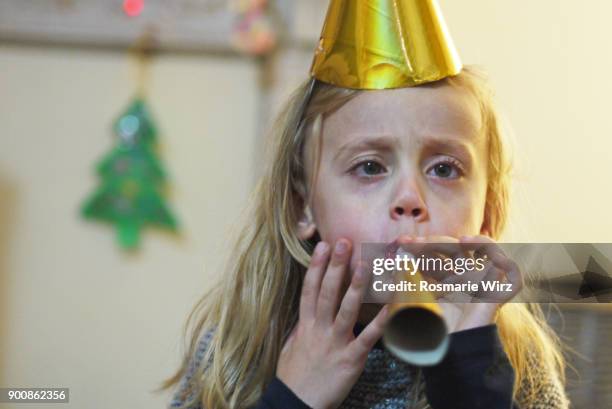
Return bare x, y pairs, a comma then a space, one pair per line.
549, 61
76, 312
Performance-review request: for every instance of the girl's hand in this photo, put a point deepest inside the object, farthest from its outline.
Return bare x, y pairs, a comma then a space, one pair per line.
469, 310
322, 359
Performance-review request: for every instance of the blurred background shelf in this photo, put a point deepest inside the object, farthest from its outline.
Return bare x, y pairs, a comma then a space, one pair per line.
181, 25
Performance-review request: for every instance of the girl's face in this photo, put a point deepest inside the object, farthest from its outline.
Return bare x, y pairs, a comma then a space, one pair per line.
408, 161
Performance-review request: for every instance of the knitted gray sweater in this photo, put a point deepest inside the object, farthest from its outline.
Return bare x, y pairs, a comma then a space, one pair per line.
387, 383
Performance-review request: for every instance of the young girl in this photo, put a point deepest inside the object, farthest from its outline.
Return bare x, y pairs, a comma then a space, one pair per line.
286, 328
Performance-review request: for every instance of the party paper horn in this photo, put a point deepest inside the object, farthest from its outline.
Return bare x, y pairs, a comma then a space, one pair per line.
416, 331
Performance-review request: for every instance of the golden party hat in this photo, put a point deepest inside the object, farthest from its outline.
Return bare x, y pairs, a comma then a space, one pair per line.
378, 44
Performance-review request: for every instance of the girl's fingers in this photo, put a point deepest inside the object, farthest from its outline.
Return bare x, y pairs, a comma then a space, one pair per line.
312, 281
351, 303
290, 338
512, 270
327, 302
499, 266
482, 245
490, 295
371, 333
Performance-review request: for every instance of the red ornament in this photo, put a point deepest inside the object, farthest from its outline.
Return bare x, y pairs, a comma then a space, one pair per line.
133, 8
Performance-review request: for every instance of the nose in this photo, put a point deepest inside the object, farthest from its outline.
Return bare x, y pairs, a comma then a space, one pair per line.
408, 201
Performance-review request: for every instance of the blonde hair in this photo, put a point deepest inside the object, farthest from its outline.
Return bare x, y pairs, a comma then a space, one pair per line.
254, 307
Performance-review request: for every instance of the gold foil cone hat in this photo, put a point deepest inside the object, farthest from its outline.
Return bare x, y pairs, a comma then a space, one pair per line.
379, 44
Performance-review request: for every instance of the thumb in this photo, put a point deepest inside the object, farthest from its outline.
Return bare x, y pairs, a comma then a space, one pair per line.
290, 338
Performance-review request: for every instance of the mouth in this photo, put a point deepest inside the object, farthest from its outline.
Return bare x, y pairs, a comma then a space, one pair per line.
391, 249
394, 249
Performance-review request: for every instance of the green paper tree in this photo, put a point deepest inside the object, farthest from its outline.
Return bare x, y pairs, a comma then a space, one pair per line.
131, 192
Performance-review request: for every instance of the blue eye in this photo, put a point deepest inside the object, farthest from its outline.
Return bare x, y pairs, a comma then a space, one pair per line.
443, 170
446, 170
369, 168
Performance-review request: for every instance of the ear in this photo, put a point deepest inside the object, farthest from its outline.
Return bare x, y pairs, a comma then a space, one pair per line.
306, 227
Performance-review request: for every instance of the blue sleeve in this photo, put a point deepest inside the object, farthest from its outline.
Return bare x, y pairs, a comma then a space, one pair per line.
475, 373
278, 396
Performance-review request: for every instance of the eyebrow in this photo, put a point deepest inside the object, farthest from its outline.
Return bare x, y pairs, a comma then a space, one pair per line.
386, 142
446, 144
382, 142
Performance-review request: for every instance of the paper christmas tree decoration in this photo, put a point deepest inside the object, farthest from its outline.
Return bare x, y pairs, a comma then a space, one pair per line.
131, 191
